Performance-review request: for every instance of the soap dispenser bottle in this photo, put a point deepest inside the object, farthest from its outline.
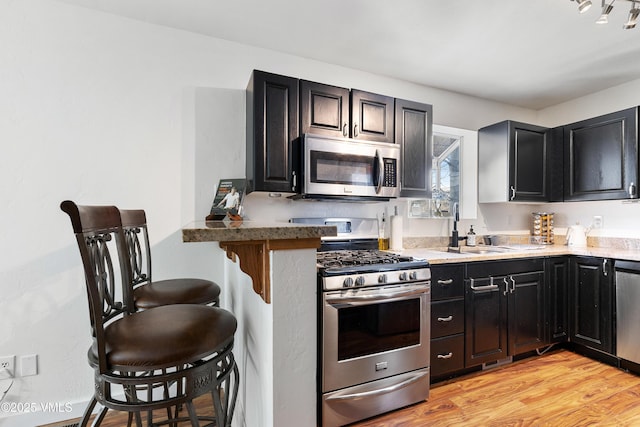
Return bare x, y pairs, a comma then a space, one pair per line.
471, 237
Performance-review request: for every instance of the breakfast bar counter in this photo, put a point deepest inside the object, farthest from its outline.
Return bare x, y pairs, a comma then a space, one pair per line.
269, 283
251, 242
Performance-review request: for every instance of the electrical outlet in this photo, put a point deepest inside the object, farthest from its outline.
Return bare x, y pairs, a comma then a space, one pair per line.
8, 363
597, 221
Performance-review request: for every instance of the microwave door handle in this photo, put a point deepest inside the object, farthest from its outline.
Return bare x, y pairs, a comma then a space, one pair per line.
380, 172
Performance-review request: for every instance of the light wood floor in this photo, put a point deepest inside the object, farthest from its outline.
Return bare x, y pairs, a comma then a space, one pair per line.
560, 388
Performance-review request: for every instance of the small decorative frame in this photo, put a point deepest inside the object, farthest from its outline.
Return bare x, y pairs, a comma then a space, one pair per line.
228, 199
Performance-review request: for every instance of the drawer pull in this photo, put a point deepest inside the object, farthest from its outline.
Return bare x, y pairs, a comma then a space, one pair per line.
445, 356
490, 287
445, 319
445, 282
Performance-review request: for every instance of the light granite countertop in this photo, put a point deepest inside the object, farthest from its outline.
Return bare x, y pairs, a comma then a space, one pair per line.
441, 256
236, 231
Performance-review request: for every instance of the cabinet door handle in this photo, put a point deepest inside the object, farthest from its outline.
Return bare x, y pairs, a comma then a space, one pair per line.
513, 284
484, 288
345, 130
445, 319
604, 267
513, 193
294, 181
355, 130
445, 282
490, 287
632, 191
506, 286
445, 356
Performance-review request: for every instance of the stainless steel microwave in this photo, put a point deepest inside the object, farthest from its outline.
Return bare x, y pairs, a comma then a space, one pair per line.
347, 169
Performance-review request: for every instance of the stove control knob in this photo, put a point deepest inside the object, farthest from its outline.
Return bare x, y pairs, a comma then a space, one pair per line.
360, 281
403, 276
348, 282
382, 278
413, 275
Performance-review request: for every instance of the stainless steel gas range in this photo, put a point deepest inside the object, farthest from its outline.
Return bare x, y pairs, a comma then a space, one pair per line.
374, 328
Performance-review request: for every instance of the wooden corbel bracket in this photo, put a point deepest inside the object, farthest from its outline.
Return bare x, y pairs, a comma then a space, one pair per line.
254, 258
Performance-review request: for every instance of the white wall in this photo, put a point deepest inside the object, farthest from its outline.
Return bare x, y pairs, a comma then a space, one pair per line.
100, 109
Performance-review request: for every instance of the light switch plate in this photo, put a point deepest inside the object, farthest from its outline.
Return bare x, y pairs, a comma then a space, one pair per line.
29, 365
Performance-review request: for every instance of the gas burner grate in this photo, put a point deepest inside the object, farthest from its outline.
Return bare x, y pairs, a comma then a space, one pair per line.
358, 257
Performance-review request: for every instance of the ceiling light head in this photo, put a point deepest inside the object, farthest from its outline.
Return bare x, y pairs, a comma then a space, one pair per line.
606, 10
583, 5
633, 18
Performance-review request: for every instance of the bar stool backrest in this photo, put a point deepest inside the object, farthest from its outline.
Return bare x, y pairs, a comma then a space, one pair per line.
99, 234
134, 224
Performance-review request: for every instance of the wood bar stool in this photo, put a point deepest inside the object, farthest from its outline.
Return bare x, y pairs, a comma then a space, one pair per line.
148, 293
158, 358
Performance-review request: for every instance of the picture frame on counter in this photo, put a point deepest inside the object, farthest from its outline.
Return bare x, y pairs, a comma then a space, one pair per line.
227, 201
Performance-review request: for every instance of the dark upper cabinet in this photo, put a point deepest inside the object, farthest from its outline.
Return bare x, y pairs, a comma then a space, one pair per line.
601, 157
591, 302
324, 109
372, 116
340, 112
514, 163
557, 271
272, 133
556, 165
414, 131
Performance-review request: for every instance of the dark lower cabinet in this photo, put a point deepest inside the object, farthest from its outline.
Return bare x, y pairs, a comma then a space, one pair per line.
447, 355
601, 157
504, 309
525, 311
447, 319
486, 321
272, 133
591, 302
557, 271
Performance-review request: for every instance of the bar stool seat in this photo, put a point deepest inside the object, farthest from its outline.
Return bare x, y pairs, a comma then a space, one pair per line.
176, 291
150, 293
165, 336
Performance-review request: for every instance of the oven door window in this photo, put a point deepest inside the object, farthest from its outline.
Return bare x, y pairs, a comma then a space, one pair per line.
336, 168
376, 328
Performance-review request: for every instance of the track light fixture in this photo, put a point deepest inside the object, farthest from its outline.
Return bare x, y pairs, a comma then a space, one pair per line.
632, 20
633, 17
606, 10
583, 5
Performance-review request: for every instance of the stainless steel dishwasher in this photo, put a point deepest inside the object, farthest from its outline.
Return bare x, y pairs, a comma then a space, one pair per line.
628, 312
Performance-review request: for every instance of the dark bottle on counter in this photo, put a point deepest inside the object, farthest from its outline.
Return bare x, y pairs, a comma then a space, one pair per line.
471, 237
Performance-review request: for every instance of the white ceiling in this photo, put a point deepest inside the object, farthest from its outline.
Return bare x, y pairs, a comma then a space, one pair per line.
529, 53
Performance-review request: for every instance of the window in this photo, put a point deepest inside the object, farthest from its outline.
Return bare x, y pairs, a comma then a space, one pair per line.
445, 174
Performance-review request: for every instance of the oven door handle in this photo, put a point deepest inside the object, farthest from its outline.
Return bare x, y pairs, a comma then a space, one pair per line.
415, 377
366, 299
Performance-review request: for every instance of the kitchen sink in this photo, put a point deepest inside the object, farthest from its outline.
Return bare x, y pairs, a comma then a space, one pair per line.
491, 249
477, 250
